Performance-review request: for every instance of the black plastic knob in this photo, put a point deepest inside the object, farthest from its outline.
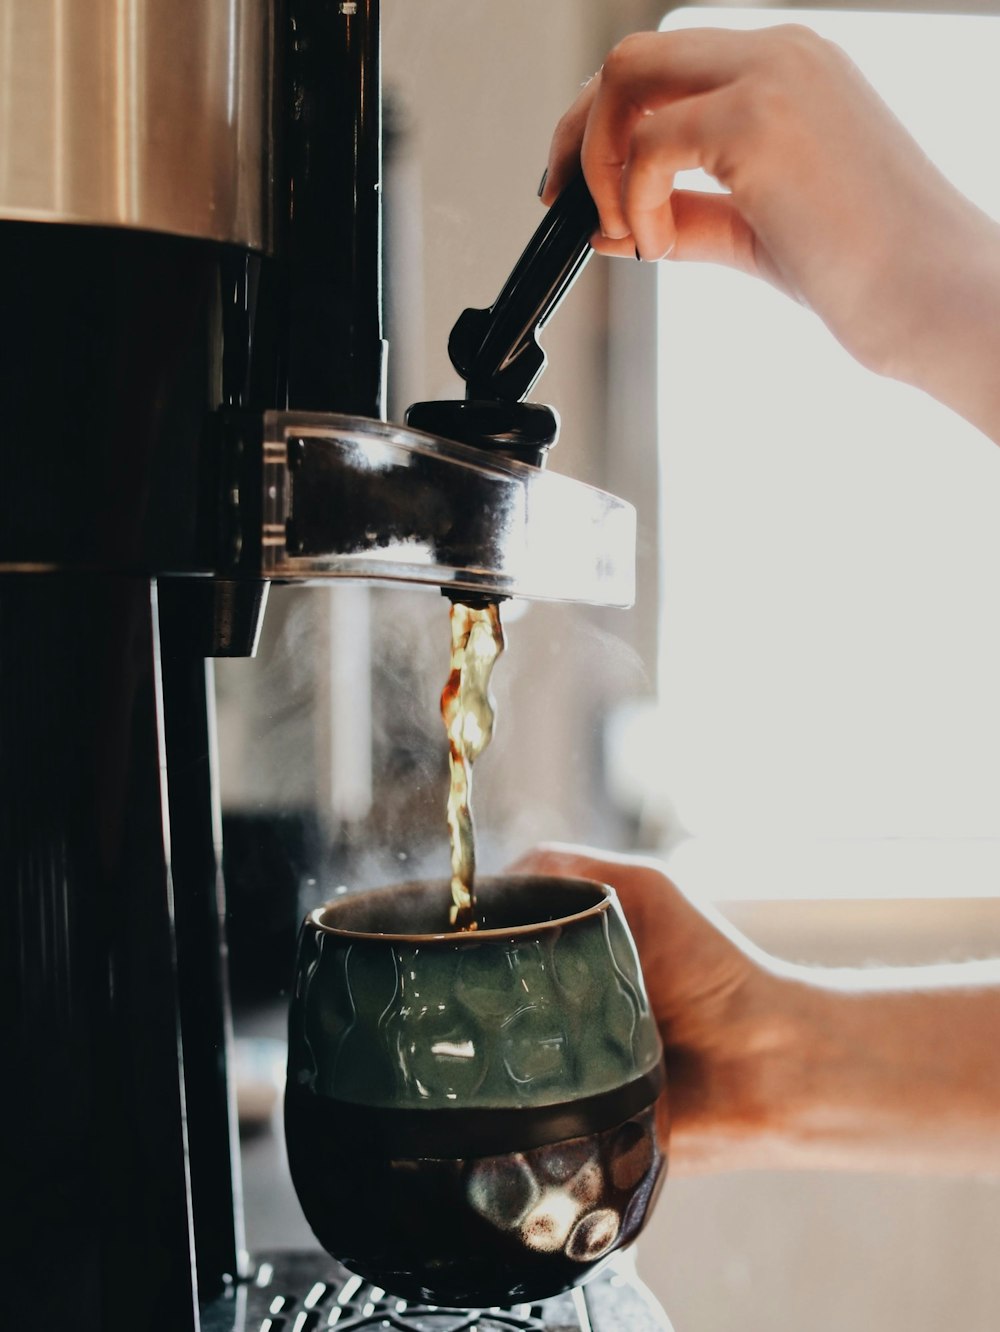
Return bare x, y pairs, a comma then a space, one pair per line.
524, 431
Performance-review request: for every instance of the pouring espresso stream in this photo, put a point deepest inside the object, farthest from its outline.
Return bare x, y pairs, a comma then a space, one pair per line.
467, 709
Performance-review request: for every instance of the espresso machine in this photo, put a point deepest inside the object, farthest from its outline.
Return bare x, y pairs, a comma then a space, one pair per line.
191, 409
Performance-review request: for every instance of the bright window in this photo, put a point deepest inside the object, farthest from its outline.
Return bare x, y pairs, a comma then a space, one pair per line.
829, 701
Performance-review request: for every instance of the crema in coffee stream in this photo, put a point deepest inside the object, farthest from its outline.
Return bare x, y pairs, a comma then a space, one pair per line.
468, 711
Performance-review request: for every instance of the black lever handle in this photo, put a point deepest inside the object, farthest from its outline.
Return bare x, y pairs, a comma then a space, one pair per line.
496, 351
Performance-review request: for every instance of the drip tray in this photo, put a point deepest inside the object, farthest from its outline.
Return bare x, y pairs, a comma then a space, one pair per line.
307, 1292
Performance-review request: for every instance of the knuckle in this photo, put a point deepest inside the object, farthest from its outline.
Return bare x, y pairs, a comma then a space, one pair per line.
621, 57
763, 106
645, 145
796, 52
796, 34
742, 148
795, 39
566, 129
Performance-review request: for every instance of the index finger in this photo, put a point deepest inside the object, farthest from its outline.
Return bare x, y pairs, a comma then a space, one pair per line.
644, 73
564, 151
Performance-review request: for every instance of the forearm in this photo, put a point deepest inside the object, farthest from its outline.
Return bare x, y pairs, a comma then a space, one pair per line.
894, 1070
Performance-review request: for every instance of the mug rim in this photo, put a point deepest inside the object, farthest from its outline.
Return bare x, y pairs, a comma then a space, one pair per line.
315, 920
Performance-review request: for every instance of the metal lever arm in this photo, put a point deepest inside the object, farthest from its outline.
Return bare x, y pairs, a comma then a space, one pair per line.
496, 351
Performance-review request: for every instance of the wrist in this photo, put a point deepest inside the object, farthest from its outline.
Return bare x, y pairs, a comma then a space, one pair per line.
946, 293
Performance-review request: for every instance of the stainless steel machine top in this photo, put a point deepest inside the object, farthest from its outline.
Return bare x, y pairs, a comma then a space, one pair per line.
151, 114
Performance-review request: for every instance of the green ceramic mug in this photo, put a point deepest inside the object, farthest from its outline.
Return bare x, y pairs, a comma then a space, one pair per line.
472, 1119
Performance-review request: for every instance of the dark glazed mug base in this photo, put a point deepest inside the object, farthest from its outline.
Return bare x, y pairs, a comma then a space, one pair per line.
471, 1231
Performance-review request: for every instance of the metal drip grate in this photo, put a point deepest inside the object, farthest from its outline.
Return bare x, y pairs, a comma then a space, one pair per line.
353, 1304
307, 1292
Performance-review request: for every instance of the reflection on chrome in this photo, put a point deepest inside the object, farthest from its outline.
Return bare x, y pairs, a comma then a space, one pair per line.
454, 1049
346, 497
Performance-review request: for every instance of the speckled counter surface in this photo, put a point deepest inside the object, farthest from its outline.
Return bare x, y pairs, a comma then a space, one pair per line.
307, 1291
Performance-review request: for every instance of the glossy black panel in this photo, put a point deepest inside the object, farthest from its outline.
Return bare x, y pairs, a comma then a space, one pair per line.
127, 345
93, 1153
199, 904
121, 347
332, 234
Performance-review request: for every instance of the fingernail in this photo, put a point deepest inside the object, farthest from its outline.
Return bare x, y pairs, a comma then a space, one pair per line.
541, 186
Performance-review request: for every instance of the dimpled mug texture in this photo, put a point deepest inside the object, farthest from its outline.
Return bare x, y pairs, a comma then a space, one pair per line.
470, 1117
